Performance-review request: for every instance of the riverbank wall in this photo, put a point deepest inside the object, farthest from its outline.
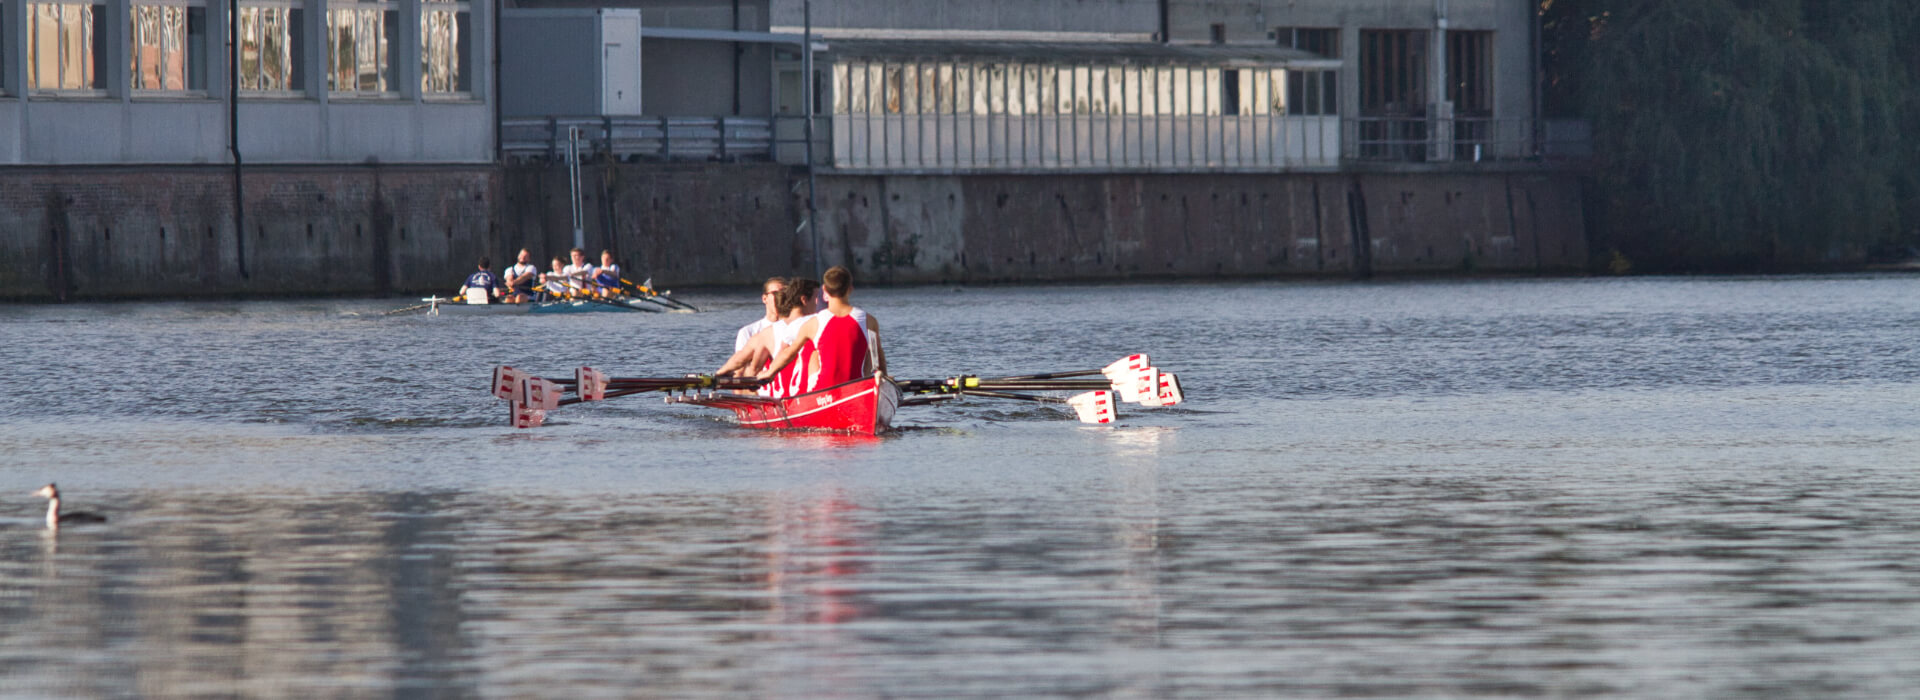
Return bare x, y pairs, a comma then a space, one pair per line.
95, 233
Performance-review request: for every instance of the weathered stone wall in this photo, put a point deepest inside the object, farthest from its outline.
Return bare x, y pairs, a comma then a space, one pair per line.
129, 232
1067, 227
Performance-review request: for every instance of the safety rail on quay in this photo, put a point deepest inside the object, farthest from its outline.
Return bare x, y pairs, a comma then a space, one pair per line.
1057, 143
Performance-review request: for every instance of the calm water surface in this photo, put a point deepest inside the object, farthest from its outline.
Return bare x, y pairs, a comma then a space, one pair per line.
1568, 488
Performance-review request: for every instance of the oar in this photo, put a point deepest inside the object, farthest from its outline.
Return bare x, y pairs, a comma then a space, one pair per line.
1133, 377
588, 296
647, 291
433, 302
1090, 407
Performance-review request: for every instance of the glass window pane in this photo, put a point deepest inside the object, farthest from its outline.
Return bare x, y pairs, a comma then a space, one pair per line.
943, 87
997, 89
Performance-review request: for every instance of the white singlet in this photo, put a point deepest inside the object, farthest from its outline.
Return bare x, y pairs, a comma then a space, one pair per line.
747, 332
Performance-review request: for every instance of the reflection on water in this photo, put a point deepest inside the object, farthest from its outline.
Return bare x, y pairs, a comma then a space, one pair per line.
1662, 488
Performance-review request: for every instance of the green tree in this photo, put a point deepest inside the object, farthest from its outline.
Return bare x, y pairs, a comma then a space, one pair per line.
1742, 134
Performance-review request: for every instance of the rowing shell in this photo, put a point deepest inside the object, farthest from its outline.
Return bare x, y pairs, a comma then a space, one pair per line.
863, 406
567, 306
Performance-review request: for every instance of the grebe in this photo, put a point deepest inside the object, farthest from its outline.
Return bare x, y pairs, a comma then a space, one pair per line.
55, 518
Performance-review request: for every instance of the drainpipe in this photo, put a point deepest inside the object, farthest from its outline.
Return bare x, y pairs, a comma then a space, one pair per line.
1440, 114
1538, 133
1166, 23
737, 48
806, 87
233, 135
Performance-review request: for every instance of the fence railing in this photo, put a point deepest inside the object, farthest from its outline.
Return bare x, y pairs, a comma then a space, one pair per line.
652, 138
1464, 140
1056, 142
1067, 142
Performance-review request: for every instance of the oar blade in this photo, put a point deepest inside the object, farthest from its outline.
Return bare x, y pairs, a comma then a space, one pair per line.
525, 416
1169, 392
507, 383
1127, 366
540, 394
1094, 406
590, 384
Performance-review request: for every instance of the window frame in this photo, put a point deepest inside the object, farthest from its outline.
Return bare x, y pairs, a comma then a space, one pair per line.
98, 40
299, 74
462, 66
185, 52
391, 33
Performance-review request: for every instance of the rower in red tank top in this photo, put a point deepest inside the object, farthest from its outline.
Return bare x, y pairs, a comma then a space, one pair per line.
845, 339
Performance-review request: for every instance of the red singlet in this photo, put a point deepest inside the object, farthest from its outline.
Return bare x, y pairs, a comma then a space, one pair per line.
842, 349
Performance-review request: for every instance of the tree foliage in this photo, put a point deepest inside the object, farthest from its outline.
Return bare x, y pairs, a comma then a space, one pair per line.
1743, 134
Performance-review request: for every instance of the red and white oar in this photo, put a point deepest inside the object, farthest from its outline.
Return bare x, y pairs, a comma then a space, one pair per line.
1094, 406
590, 384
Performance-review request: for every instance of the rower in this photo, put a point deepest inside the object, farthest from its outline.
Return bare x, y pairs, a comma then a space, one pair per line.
846, 338
481, 287
579, 273
769, 296
794, 304
520, 279
555, 281
608, 276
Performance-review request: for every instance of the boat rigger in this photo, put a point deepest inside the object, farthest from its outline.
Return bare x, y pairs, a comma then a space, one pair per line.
864, 406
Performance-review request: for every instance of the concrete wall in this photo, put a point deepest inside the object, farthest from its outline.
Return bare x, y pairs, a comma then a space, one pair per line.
681, 223
1035, 228
125, 232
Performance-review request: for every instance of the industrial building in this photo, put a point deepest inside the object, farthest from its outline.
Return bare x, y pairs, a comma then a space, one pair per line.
1086, 85
120, 82
382, 145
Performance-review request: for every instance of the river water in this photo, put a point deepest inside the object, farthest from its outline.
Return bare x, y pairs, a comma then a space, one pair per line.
1525, 488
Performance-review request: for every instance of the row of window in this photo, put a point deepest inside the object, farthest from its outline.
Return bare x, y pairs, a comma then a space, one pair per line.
67, 47
861, 87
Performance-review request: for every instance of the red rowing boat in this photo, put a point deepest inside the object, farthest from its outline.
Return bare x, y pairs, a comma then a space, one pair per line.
863, 406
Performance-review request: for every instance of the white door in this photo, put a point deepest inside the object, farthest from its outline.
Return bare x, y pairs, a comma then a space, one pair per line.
620, 56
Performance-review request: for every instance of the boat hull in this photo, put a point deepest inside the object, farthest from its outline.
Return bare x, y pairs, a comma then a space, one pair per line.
548, 307
863, 406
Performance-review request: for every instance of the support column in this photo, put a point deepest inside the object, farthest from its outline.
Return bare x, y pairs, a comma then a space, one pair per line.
1439, 108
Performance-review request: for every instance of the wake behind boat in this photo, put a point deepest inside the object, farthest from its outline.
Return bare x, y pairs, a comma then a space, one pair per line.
864, 406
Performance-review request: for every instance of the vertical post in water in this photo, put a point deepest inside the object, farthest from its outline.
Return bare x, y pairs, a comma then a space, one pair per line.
806, 91
573, 184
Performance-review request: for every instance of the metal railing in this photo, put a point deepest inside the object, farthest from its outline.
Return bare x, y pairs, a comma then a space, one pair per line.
1055, 142
1464, 140
641, 138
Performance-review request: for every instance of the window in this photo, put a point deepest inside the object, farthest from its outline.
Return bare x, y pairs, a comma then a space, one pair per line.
1470, 73
360, 39
1230, 89
65, 46
1217, 33
1323, 41
1393, 73
446, 61
1312, 92
169, 46
272, 46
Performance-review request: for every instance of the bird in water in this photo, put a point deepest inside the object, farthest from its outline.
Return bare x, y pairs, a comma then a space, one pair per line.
55, 518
